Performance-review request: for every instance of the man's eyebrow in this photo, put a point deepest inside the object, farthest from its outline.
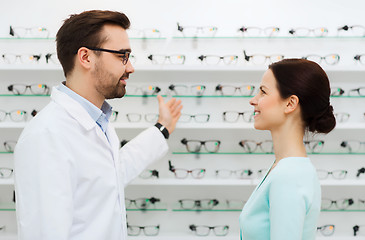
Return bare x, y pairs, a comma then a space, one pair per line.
125, 50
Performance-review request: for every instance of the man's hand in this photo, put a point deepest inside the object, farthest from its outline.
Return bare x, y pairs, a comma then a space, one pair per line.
169, 113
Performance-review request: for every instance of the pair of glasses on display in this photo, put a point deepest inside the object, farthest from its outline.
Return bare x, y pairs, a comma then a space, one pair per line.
214, 59
9, 146
257, 31
250, 146
326, 230
336, 174
305, 32
357, 92
202, 204
137, 117
233, 116
229, 90
330, 59
11, 58
148, 173
182, 173
341, 204
21, 89
353, 146
6, 172
145, 90
241, 174
194, 146
141, 203
134, 230
260, 59
197, 31
314, 146
355, 30
357, 229
342, 117
175, 59
201, 230
360, 171
360, 58
15, 115
199, 118
29, 32
144, 33
181, 90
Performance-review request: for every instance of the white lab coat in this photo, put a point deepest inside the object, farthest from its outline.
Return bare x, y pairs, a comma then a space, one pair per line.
70, 180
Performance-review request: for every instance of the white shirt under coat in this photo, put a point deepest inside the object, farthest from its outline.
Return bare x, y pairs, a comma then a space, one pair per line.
69, 179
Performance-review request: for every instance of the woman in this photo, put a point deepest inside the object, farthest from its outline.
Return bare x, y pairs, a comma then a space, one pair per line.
294, 98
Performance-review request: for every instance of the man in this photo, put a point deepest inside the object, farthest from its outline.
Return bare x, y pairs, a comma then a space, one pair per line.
69, 171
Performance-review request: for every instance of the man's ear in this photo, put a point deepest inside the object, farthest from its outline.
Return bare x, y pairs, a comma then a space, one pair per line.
83, 57
292, 103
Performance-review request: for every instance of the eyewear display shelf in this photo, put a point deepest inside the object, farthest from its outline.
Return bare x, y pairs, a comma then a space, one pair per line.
174, 221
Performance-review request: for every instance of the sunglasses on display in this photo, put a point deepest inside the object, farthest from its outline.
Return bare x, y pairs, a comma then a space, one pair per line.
202, 204
250, 146
183, 173
337, 174
194, 146
330, 59
214, 59
133, 230
175, 59
305, 32
229, 90
201, 230
141, 203
257, 31
200, 31
29, 32
260, 59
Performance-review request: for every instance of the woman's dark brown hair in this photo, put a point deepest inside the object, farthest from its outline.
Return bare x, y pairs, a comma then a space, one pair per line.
84, 29
308, 81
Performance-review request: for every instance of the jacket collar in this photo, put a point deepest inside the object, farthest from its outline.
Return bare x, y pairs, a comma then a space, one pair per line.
73, 108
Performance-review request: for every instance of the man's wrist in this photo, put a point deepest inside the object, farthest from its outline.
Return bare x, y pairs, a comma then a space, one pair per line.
163, 130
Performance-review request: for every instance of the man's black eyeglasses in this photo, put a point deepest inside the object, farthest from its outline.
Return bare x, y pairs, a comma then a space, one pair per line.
124, 55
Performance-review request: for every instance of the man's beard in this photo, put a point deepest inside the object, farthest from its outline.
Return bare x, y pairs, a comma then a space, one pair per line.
105, 83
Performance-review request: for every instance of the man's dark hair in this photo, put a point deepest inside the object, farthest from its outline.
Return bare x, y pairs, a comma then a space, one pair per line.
84, 29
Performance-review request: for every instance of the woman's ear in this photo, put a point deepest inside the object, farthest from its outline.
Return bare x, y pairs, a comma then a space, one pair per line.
292, 103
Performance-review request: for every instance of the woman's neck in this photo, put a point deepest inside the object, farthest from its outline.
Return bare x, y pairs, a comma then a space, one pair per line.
288, 141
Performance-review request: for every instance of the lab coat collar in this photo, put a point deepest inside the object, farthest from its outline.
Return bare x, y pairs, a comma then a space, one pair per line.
73, 108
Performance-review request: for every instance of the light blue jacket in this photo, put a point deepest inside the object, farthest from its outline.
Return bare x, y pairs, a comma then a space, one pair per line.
285, 205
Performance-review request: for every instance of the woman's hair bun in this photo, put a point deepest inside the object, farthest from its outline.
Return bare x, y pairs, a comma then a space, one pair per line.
323, 123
